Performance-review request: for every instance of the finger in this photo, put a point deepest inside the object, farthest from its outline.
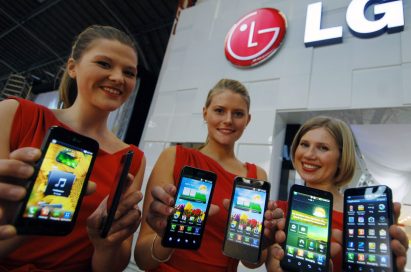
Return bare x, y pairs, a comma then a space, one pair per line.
397, 211
91, 187
16, 169
397, 233
277, 252
336, 244
164, 195
127, 220
157, 223
26, 154
129, 202
214, 209
7, 232
160, 209
226, 203
11, 192
398, 249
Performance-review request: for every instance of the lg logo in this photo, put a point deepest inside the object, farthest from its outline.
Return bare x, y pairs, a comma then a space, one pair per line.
388, 17
259, 34
255, 37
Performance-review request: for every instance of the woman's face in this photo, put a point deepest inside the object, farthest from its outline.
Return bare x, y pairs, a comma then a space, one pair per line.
317, 157
227, 116
106, 74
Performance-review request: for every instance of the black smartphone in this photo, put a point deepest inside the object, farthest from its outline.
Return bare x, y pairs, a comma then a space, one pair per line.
115, 195
245, 223
185, 226
57, 187
308, 230
368, 214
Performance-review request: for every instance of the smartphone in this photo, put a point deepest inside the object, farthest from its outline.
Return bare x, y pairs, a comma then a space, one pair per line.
368, 214
308, 230
185, 226
57, 187
245, 223
115, 195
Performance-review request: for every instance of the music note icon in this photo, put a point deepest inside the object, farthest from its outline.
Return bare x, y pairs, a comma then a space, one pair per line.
62, 181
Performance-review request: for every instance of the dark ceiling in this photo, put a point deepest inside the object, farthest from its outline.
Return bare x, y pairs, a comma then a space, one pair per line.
36, 35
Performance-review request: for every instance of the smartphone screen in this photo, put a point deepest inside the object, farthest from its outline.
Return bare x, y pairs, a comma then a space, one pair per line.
308, 228
115, 195
58, 184
185, 226
245, 224
367, 217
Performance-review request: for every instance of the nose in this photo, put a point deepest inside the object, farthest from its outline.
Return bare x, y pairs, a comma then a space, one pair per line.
116, 75
228, 118
310, 153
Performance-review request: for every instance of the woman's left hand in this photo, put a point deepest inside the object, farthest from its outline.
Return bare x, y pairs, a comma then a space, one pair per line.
126, 220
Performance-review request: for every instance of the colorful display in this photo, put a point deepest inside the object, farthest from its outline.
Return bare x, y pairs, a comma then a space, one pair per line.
59, 183
308, 231
247, 216
367, 241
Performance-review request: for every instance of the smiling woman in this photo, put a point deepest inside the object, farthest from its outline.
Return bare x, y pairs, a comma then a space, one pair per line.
100, 76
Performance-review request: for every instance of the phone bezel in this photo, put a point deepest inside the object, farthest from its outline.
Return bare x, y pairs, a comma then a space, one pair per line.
312, 192
360, 191
114, 199
236, 250
198, 174
34, 226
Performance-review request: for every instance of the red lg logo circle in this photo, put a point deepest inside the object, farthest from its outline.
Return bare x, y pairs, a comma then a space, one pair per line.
255, 37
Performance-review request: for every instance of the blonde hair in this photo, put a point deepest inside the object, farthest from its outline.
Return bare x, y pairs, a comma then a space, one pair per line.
344, 138
228, 84
68, 85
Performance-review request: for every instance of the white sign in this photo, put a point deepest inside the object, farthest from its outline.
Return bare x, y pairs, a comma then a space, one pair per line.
388, 17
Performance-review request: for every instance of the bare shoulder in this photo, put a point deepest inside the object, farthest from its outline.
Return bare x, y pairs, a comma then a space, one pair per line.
261, 174
8, 107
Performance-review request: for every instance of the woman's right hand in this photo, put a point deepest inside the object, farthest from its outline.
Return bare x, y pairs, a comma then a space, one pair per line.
14, 173
161, 207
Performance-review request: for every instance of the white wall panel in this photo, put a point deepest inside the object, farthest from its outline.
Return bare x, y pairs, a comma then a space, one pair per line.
406, 82
331, 77
157, 128
379, 87
263, 94
260, 129
257, 154
293, 92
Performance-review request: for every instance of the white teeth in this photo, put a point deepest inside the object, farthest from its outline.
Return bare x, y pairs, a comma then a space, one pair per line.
110, 90
309, 166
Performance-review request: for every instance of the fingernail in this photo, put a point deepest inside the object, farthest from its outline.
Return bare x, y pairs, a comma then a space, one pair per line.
7, 232
170, 210
32, 153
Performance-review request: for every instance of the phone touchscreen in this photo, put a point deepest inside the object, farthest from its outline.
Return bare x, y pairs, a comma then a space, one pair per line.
308, 232
57, 188
368, 216
246, 217
186, 225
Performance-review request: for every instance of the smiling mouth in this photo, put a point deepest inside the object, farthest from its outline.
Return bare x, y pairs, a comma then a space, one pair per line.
226, 130
310, 167
112, 91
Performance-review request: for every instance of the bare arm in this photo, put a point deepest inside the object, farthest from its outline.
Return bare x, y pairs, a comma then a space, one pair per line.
158, 205
113, 253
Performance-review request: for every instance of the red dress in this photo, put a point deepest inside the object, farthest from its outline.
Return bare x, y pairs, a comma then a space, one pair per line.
74, 251
209, 256
337, 223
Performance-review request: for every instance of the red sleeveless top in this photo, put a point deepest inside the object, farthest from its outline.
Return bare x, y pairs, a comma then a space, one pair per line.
74, 251
209, 257
337, 223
